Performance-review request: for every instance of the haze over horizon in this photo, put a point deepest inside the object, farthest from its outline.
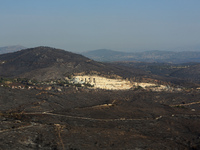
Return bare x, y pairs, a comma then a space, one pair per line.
115, 24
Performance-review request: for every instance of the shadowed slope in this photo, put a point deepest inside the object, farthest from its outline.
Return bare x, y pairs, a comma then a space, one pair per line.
45, 63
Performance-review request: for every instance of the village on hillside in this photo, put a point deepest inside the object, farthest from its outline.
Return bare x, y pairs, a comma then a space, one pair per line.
87, 81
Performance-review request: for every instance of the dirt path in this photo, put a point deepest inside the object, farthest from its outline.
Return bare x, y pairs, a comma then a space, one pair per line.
193, 103
19, 128
110, 120
83, 118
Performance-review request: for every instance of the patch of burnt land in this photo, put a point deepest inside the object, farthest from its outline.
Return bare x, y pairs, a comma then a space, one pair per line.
81, 118
40, 110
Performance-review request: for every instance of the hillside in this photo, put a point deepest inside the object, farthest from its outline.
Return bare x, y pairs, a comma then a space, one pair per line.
191, 73
147, 56
185, 74
45, 63
62, 115
98, 119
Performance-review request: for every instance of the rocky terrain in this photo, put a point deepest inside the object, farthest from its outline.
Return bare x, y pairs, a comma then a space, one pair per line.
98, 119
39, 109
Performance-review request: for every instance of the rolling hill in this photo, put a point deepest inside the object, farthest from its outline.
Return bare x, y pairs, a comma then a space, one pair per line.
55, 116
191, 73
45, 63
105, 55
181, 74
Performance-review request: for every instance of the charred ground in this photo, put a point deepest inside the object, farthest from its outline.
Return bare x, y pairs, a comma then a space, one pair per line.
71, 117
80, 118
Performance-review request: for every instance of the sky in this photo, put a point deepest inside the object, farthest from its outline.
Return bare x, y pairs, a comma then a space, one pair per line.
82, 25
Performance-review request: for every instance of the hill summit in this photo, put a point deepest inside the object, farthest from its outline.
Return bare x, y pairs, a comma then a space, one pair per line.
46, 63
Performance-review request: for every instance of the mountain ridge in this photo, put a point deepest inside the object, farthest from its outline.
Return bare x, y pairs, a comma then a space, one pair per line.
46, 63
105, 55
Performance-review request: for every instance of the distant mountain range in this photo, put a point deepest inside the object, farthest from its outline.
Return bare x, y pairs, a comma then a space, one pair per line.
10, 49
105, 55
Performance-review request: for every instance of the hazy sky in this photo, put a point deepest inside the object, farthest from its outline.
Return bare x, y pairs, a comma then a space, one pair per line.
80, 25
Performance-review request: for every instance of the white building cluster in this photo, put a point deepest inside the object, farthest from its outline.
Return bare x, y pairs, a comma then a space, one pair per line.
116, 84
102, 82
